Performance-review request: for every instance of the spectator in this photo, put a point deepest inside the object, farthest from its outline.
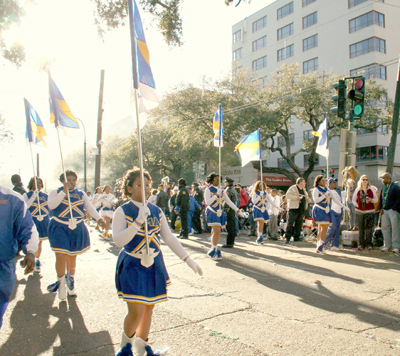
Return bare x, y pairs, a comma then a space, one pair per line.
350, 177
273, 212
297, 202
162, 199
171, 205
364, 198
153, 197
244, 198
193, 207
390, 205
17, 183
182, 205
199, 196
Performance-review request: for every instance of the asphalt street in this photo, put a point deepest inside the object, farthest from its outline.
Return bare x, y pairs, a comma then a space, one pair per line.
266, 299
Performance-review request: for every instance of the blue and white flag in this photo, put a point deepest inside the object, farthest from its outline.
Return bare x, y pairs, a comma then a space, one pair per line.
218, 128
35, 131
143, 79
323, 142
250, 148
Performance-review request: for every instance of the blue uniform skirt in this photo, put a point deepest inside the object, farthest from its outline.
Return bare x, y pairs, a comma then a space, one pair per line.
138, 284
320, 216
42, 227
259, 215
213, 219
71, 242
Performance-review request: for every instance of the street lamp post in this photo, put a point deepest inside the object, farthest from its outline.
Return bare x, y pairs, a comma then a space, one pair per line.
84, 154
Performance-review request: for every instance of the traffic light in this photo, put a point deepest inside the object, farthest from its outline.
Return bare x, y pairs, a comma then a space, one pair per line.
357, 95
195, 166
340, 98
332, 173
323, 171
202, 166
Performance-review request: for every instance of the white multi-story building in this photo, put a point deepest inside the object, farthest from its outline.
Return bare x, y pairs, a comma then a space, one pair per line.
346, 36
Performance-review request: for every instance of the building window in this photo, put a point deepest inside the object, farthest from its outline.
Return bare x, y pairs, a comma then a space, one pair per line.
372, 153
259, 24
282, 163
237, 54
307, 2
310, 20
366, 46
237, 36
353, 3
282, 142
286, 52
285, 10
261, 81
368, 19
260, 43
371, 71
259, 63
311, 65
306, 163
308, 136
285, 31
310, 42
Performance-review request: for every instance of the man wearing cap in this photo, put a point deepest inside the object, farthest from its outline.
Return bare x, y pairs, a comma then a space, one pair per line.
336, 216
182, 205
171, 205
390, 206
199, 196
230, 213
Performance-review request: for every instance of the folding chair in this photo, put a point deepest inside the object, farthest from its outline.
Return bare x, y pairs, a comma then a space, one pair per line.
310, 230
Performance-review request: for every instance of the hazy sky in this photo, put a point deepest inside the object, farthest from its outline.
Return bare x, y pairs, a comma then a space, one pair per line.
64, 30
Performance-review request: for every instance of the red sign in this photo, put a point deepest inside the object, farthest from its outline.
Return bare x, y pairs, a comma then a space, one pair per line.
272, 179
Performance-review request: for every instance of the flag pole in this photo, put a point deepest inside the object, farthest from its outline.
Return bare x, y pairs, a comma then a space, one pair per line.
72, 224
219, 151
36, 184
140, 155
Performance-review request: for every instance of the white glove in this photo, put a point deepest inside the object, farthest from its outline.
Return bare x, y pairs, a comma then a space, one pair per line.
328, 194
241, 214
219, 191
347, 208
194, 266
144, 212
35, 193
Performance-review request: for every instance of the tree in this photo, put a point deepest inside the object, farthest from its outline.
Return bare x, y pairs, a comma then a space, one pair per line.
5, 133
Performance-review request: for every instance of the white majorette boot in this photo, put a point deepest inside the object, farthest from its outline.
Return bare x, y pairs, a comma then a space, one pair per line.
70, 282
62, 289
126, 346
139, 347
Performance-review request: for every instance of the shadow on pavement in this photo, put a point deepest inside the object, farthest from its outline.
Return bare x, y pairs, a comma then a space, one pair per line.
36, 324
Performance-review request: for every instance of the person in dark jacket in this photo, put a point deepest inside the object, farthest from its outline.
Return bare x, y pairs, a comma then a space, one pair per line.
17, 183
199, 196
182, 205
230, 213
172, 204
162, 199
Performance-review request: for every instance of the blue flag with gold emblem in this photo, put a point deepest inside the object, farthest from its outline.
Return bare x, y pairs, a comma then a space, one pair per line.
250, 148
35, 131
218, 128
143, 79
60, 113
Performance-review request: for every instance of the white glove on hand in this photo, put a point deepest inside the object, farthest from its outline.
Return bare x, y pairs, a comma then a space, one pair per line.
328, 194
219, 191
35, 193
144, 212
241, 214
194, 266
347, 208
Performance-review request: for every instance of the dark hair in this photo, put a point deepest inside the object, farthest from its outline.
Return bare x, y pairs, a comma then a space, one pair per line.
211, 177
299, 180
32, 181
15, 179
154, 192
67, 174
104, 188
97, 188
129, 178
318, 178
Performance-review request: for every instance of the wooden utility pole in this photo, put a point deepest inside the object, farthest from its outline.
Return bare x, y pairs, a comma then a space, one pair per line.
395, 126
37, 165
99, 132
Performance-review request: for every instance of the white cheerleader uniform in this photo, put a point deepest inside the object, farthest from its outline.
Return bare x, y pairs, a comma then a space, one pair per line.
107, 202
260, 205
215, 203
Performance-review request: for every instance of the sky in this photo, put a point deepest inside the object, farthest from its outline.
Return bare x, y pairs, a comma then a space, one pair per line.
65, 32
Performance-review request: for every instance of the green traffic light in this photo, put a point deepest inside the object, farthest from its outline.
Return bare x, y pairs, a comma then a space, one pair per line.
358, 109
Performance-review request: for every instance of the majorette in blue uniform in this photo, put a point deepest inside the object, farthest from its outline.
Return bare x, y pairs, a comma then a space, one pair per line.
322, 206
16, 226
212, 210
42, 224
260, 211
134, 282
62, 238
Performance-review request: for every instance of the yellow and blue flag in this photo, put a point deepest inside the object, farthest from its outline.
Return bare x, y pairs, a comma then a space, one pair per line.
218, 128
35, 131
60, 113
143, 79
323, 142
250, 148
